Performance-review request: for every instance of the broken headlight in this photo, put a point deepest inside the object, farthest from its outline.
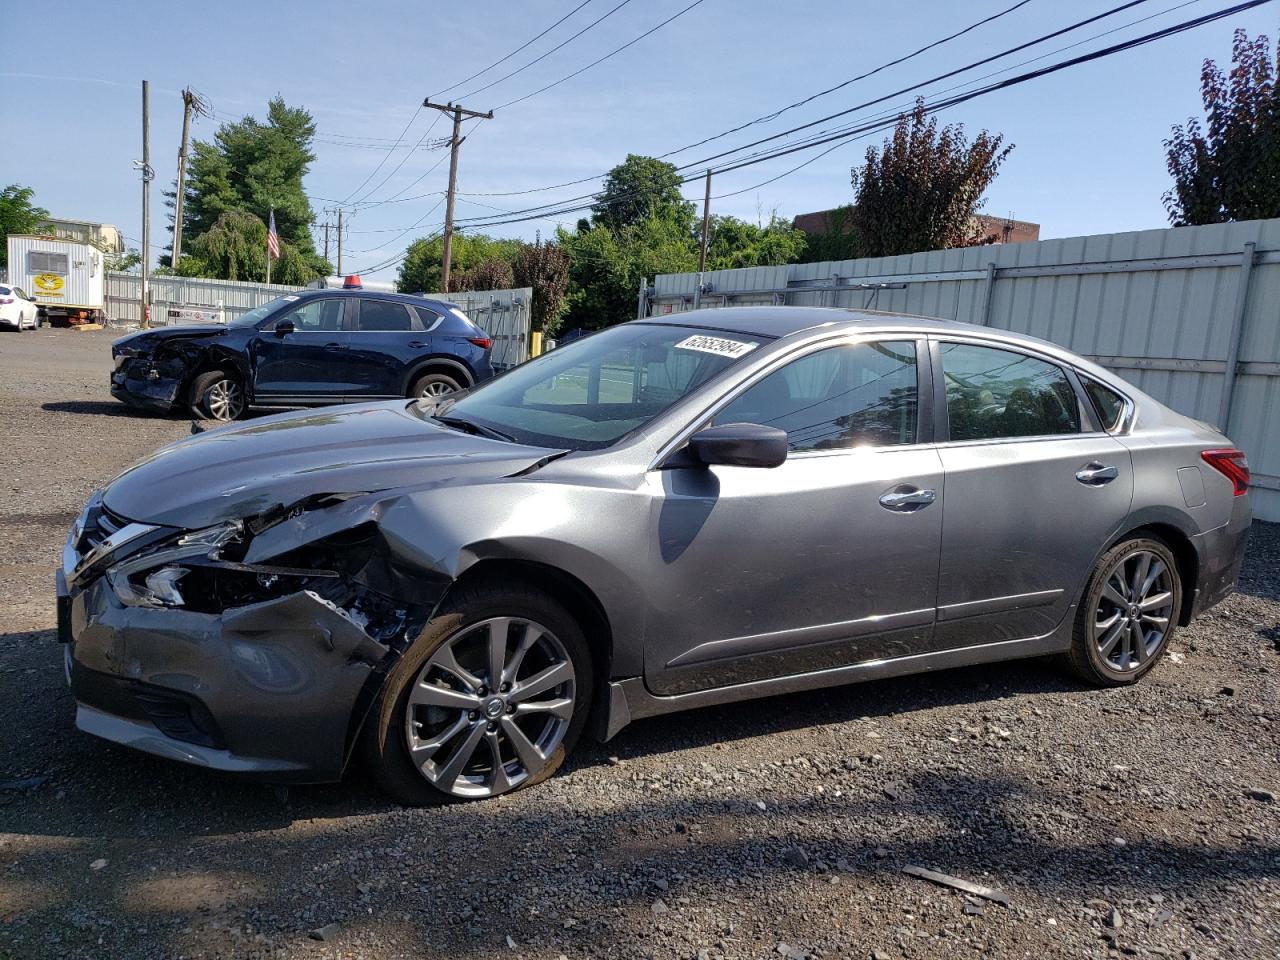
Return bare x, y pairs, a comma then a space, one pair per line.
151, 579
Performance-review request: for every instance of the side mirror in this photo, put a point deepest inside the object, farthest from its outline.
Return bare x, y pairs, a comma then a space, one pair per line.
740, 445
284, 327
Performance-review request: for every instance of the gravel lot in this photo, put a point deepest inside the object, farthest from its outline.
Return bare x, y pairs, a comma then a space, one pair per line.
1137, 822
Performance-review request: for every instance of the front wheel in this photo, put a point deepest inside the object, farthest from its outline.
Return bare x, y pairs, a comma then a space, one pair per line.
1128, 613
217, 395
489, 699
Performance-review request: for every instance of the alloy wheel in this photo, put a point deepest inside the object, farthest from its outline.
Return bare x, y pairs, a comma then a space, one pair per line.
225, 399
436, 388
1132, 618
490, 707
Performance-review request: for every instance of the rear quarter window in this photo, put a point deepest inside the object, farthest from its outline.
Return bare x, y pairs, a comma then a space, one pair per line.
1108, 404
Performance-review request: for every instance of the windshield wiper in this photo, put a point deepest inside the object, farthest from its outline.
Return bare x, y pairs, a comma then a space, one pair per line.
466, 426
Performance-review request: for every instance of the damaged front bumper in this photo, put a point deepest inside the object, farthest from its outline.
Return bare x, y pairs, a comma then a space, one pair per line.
141, 383
270, 689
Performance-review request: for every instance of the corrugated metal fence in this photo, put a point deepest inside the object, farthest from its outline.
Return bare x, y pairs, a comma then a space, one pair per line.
504, 314
1189, 315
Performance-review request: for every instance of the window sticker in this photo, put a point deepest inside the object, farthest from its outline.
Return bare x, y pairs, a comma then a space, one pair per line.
718, 345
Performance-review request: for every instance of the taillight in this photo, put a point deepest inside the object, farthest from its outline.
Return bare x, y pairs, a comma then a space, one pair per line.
1232, 464
483, 342
6, 299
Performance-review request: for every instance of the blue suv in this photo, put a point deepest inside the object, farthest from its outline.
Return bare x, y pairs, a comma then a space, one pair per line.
304, 349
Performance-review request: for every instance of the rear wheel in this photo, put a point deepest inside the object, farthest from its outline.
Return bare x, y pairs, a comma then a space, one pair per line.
431, 385
217, 395
1128, 614
491, 698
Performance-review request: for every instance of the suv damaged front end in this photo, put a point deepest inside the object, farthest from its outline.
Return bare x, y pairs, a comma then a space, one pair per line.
255, 645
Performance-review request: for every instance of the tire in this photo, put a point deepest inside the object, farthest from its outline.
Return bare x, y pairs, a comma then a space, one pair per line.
218, 395
1105, 650
431, 385
461, 635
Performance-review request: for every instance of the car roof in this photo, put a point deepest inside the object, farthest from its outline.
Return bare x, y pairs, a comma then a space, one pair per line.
413, 298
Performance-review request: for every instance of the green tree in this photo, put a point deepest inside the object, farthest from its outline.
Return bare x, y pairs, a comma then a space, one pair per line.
235, 248
18, 215
839, 241
639, 189
737, 243
121, 262
1232, 170
921, 190
607, 267
492, 274
420, 271
544, 268
254, 167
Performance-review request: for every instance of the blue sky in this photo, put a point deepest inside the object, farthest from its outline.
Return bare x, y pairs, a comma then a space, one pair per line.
1088, 155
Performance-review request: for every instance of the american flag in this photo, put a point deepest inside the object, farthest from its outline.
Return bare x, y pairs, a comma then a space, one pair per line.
273, 240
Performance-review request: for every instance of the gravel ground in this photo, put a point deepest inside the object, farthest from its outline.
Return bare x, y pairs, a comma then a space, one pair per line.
1134, 822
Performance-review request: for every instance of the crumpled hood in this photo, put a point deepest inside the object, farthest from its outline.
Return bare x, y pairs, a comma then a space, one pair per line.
242, 470
144, 341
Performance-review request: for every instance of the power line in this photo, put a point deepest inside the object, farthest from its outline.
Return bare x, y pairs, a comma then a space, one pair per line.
780, 111
544, 56
847, 135
426, 133
527, 43
612, 53
862, 76
386, 156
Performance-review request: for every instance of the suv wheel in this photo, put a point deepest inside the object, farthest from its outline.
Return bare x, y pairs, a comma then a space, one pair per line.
431, 385
217, 395
1129, 612
489, 699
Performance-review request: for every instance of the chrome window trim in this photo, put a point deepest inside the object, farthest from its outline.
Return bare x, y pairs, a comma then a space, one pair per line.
846, 338
1130, 408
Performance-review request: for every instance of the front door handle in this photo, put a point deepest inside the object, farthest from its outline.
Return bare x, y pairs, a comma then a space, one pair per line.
905, 498
1095, 474
335, 346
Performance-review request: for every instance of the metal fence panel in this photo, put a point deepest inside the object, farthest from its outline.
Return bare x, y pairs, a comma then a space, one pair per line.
1159, 307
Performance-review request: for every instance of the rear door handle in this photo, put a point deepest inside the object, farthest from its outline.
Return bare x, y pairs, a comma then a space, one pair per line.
1095, 474
335, 346
905, 498
418, 344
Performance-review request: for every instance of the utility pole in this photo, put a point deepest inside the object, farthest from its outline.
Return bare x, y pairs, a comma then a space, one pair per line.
455, 142
706, 224
146, 204
191, 103
339, 241
326, 238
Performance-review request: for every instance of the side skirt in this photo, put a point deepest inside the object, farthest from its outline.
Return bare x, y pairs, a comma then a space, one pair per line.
628, 699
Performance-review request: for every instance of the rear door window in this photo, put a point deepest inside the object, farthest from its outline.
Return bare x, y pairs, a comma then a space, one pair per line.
994, 394
385, 316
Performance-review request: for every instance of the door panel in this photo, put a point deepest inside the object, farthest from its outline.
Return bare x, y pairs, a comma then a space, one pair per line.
387, 339
307, 363
773, 572
1030, 498
827, 560
1020, 531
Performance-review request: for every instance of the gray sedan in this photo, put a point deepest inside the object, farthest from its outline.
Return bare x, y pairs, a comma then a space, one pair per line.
671, 513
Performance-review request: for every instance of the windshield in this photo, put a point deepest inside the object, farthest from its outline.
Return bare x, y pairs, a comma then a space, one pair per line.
258, 314
587, 394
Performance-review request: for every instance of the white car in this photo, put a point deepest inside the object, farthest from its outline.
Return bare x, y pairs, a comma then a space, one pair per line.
17, 310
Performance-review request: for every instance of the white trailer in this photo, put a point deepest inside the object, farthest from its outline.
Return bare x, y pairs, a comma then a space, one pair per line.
65, 277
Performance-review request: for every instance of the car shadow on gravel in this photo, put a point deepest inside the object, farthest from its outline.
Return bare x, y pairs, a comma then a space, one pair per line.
103, 408
135, 794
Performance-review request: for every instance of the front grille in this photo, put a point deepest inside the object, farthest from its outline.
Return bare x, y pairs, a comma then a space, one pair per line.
100, 524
